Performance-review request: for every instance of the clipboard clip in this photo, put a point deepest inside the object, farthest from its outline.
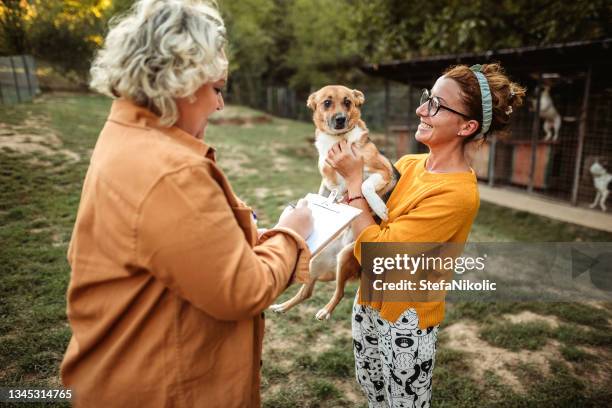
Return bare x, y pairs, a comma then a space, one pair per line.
329, 201
332, 197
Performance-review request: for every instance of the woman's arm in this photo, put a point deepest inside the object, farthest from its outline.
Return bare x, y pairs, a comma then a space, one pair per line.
435, 219
188, 237
347, 161
364, 219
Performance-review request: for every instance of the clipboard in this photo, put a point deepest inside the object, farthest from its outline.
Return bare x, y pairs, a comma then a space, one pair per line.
330, 219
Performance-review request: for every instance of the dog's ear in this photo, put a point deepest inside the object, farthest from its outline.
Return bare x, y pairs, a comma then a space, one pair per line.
359, 98
311, 103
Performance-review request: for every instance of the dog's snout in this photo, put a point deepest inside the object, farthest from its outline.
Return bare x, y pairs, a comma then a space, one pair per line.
339, 121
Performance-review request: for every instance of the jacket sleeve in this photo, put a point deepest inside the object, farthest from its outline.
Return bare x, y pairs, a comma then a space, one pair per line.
435, 219
189, 238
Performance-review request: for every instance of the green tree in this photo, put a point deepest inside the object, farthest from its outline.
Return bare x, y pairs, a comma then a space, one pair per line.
307, 43
326, 47
249, 44
14, 21
65, 33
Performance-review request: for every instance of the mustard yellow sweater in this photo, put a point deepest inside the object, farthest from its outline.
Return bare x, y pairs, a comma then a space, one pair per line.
424, 207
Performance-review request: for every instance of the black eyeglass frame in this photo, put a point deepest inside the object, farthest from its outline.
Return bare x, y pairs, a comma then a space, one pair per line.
434, 101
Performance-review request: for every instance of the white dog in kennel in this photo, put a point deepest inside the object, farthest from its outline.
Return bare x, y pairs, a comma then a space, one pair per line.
550, 116
601, 181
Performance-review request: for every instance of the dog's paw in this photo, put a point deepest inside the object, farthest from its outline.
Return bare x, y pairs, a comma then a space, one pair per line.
323, 314
277, 308
382, 211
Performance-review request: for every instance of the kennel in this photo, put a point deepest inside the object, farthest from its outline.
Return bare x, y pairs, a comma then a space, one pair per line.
576, 77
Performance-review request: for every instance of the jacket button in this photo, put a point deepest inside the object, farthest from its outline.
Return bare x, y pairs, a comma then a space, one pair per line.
263, 315
260, 363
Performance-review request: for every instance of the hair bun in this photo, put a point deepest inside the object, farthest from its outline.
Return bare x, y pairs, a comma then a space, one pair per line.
506, 95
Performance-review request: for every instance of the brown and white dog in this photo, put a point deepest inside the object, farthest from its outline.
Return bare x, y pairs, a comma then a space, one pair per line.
337, 116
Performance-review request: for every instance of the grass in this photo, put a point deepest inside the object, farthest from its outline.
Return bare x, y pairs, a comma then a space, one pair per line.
574, 354
306, 363
514, 337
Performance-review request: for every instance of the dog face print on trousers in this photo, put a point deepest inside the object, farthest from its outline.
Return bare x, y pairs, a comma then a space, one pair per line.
420, 383
384, 340
365, 336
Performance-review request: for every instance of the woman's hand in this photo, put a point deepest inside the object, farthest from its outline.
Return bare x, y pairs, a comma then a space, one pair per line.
347, 161
299, 219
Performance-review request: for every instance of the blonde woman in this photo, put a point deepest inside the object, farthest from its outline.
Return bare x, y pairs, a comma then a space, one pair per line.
169, 277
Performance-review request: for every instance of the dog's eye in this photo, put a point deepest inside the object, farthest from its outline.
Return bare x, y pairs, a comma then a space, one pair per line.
327, 103
347, 103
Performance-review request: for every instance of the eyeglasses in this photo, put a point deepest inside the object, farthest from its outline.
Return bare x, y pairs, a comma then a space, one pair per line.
434, 105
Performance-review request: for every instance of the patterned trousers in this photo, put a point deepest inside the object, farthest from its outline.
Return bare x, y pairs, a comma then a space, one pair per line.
394, 362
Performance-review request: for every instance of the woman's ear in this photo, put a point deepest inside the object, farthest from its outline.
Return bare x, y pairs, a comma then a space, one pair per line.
359, 98
311, 102
468, 128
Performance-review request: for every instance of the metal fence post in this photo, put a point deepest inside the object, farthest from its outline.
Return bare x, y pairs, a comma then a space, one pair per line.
33, 77
269, 99
27, 75
15, 79
535, 131
492, 149
581, 134
387, 113
1, 94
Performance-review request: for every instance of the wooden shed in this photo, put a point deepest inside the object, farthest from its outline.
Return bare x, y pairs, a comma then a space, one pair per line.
575, 77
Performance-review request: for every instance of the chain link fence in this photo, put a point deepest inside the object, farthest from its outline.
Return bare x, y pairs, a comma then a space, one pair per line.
18, 82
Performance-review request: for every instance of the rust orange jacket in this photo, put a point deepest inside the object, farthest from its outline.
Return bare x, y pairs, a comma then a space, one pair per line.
168, 278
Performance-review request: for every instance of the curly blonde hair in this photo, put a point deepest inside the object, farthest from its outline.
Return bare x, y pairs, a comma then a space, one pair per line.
159, 51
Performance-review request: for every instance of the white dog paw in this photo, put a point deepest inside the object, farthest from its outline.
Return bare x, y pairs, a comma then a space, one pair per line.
323, 314
277, 308
382, 211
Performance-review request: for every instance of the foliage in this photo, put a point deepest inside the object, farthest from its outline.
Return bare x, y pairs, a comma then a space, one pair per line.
250, 42
305, 43
65, 33
14, 15
325, 42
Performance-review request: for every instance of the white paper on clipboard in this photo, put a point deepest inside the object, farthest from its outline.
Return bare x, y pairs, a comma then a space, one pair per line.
330, 219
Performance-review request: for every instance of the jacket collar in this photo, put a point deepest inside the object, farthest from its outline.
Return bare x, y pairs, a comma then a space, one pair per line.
126, 112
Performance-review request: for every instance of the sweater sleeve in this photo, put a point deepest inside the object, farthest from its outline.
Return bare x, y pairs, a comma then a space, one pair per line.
405, 160
436, 218
190, 239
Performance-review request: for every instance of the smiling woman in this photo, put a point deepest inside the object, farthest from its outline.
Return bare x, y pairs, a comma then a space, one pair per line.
460, 87
435, 200
169, 277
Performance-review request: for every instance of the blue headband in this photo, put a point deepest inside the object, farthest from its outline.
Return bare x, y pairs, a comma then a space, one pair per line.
487, 103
